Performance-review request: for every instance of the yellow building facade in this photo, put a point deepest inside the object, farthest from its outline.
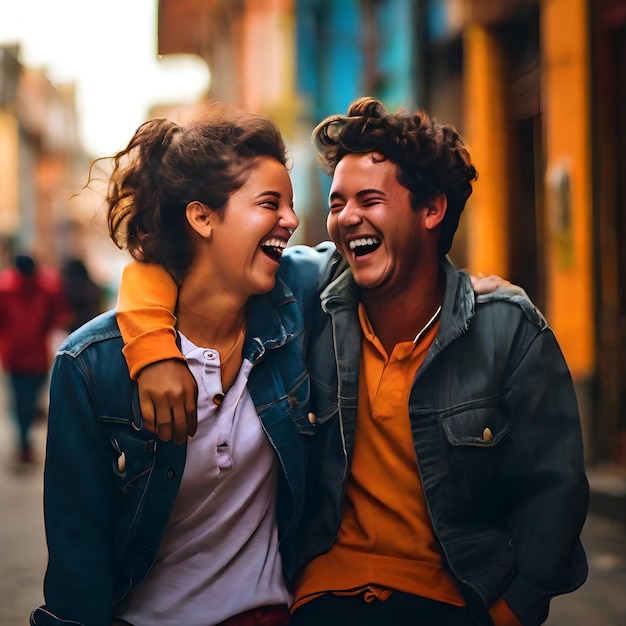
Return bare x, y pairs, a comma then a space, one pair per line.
541, 214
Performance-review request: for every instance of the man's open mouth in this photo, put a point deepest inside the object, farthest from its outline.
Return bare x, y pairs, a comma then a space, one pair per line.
364, 245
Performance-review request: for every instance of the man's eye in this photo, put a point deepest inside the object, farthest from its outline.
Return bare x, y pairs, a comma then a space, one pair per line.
370, 202
333, 208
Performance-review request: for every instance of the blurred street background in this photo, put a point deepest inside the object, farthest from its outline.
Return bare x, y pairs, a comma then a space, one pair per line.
537, 87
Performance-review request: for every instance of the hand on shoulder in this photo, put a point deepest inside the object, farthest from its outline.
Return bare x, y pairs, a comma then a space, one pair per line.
486, 284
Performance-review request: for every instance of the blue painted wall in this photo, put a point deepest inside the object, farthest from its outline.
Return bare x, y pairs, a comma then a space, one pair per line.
332, 46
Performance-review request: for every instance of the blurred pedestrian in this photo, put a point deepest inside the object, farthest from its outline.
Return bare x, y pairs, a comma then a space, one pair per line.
84, 297
31, 307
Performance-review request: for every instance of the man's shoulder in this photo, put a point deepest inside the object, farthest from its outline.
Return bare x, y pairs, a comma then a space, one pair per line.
305, 266
302, 256
512, 296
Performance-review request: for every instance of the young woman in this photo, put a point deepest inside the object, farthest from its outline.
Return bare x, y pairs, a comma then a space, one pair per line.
143, 531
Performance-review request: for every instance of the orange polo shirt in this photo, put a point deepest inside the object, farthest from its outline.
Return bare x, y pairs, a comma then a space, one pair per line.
386, 541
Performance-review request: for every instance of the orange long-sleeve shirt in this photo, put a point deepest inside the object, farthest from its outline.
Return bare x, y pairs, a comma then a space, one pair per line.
146, 303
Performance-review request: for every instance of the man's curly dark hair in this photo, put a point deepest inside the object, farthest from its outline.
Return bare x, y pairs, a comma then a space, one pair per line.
432, 158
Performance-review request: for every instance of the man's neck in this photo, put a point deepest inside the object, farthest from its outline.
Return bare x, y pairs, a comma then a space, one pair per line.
400, 317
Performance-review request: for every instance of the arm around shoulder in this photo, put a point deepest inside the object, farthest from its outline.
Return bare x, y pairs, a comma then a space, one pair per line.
145, 314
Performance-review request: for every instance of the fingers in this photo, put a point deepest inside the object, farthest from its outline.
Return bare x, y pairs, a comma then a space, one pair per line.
191, 410
178, 424
487, 284
183, 407
164, 426
167, 398
147, 412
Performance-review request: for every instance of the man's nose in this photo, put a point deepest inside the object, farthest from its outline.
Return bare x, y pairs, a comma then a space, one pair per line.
350, 214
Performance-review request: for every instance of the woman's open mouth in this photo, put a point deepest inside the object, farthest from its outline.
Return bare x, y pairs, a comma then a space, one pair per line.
274, 248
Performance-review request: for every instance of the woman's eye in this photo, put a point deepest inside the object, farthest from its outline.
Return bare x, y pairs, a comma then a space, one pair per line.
270, 204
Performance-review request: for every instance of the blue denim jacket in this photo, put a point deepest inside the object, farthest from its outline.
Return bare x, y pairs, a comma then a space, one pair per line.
110, 484
495, 427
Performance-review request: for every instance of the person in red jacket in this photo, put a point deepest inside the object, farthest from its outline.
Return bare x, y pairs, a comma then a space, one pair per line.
31, 306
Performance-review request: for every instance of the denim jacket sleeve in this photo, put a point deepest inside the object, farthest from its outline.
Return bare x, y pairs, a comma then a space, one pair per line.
108, 487
546, 471
78, 585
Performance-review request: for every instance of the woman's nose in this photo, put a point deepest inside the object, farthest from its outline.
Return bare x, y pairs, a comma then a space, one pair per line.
289, 220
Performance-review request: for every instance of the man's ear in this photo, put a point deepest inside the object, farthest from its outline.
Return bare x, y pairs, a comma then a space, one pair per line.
200, 218
435, 211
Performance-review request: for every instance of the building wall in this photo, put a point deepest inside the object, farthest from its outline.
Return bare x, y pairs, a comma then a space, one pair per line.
513, 76
563, 232
9, 141
41, 162
566, 109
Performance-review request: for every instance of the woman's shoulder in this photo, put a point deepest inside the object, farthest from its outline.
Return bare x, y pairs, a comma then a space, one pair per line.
101, 328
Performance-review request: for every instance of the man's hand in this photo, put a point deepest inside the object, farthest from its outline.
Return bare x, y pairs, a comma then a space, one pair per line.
168, 398
487, 284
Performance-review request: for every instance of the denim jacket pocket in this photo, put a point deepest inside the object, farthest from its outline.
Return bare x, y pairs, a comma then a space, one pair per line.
324, 401
481, 427
474, 437
299, 406
133, 457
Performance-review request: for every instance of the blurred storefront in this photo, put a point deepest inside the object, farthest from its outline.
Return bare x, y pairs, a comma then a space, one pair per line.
542, 83
41, 165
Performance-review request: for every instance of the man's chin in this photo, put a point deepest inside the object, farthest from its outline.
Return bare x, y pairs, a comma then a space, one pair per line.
369, 283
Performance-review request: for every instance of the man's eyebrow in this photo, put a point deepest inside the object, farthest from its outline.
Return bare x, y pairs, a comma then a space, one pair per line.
359, 194
367, 192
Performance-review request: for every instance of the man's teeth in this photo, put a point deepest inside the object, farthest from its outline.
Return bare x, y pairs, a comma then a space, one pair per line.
364, 241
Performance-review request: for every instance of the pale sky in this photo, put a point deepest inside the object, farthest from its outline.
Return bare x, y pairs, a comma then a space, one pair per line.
108, 48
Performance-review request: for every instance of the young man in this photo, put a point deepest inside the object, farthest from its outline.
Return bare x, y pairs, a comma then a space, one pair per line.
446, 483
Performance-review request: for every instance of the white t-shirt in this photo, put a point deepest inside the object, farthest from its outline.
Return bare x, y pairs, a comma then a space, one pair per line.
219, 556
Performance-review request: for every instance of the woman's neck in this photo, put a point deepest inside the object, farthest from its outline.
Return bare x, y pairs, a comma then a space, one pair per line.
208, 316
213, 320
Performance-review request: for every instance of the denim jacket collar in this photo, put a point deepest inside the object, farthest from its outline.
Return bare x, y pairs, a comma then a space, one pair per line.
271, 323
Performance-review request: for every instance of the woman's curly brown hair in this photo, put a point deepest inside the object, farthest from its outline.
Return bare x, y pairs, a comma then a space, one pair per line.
165, 166
432, 159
